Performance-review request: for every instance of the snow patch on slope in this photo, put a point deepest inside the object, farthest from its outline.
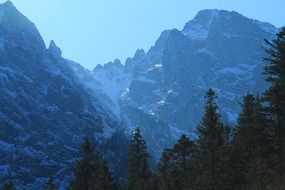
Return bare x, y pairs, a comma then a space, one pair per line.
113, 84
196, 30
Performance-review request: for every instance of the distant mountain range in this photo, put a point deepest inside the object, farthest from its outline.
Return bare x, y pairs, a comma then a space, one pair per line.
48, 104
162, 91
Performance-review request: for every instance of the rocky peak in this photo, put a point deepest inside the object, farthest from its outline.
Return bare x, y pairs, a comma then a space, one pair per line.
8, 5
115, 65
165, 39
139, 56
18, 29
213, 22
210, 21
140, 53
54, 50
9, 13
198, 28
98, 67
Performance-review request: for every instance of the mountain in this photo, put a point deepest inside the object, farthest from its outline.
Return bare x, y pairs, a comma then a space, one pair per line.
48, 104
45, 111
162, 91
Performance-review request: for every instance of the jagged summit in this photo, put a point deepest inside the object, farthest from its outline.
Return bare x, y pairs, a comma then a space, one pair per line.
7, 4
7, 9
54, 49
211, 13
200, 27
116, 63
10, 15
140, 53
166, 37
17, 28
214, 21
207, 16
110, 65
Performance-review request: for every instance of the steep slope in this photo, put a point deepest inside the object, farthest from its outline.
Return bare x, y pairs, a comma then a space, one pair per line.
217, 49
44, 109
112, 80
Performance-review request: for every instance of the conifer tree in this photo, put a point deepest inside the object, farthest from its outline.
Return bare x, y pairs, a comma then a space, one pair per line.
154, 182
91, 172
251, 145
138, 166
103, 178
84, 168
173, 170
212, 152
275, 96
182, 152
50, 185
7, 186
166, 170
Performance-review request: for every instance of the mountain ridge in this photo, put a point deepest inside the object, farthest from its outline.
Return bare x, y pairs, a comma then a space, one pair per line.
164, 94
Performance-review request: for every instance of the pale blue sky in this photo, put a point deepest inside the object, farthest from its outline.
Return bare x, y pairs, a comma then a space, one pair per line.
94, 32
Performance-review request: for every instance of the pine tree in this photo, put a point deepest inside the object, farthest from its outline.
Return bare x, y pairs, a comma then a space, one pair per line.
173, 170
50, 185
7, 186
182, 152
252, 144
84, 168
118, 143
275, 95
212, 152
166, 171
103, 178
138, 166
91, 172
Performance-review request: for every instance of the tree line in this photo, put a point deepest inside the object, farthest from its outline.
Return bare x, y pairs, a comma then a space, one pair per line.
248, 156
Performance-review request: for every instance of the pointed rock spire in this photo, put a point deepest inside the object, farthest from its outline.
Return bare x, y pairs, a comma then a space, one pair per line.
54, 50
8, 5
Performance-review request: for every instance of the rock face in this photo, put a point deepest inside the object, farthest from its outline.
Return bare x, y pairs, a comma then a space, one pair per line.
45, 111
164, 92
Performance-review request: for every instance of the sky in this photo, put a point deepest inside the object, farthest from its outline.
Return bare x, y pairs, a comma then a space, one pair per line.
93, 32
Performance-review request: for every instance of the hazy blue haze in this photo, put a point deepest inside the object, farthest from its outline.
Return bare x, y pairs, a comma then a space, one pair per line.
97, 31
